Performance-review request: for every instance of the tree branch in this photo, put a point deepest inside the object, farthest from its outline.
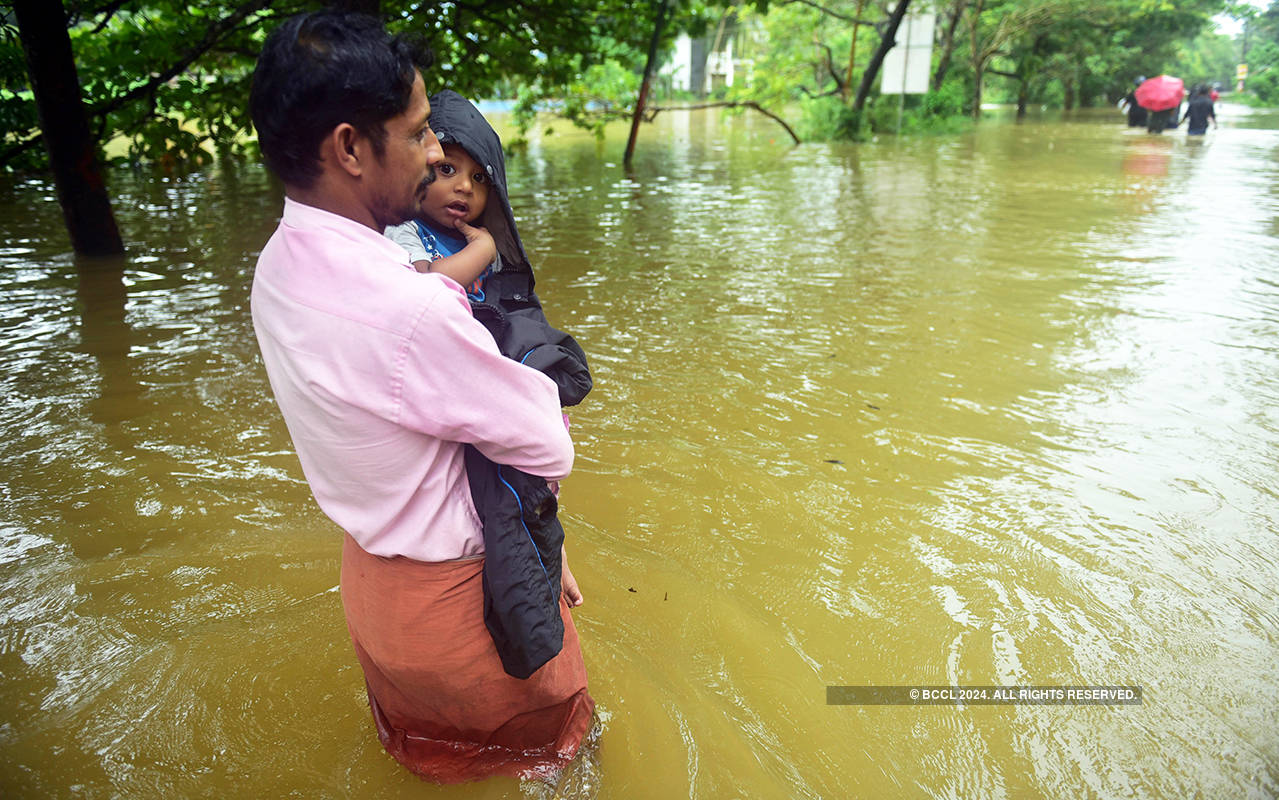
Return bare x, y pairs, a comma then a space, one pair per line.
811, 93
13, 151
652, 112
211, 38
478, 13
109, 11
828, 11
830, 65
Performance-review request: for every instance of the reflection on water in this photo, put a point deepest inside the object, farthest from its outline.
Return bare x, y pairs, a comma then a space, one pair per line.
997, 408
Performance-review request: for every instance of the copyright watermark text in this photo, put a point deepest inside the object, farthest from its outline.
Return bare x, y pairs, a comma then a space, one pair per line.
983, 695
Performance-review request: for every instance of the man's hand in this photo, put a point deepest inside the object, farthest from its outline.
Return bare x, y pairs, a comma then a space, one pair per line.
568, 584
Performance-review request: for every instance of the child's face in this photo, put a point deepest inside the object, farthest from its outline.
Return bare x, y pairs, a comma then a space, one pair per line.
460, 189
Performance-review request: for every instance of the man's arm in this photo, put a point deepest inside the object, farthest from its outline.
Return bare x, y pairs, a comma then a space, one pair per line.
456, 386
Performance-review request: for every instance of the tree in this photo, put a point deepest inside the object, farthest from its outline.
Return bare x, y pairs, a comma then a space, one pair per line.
692, 18
994, 28
171, 73
170, 78
1090, 48
1210, 58
951, 18
886, 42
800, 60
650, 63
1263, 54
56, 90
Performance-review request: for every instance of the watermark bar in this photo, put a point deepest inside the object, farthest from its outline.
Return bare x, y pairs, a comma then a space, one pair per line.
983, 695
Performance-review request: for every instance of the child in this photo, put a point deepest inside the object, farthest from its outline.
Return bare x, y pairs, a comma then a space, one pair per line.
443, 240
526, 576
487, 258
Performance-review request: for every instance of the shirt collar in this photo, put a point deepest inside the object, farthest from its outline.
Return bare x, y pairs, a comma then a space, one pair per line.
305, 217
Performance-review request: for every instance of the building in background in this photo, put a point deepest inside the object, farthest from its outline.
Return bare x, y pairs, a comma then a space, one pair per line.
709, 63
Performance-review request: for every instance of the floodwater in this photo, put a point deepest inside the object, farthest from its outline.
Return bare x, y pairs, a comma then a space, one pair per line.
990, 409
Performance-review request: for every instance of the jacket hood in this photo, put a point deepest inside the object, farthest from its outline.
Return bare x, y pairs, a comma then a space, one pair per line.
456, 121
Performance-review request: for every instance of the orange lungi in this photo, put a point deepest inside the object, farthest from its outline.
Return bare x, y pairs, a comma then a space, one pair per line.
442, 704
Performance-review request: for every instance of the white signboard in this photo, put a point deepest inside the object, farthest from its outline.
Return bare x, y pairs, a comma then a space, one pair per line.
907, 66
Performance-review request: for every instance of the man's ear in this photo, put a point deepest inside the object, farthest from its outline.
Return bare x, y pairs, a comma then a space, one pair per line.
347, 148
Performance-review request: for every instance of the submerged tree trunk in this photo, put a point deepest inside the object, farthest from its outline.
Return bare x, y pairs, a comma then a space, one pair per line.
948, 45
876, 61
649, 64
42, 24
847, 88
978, 59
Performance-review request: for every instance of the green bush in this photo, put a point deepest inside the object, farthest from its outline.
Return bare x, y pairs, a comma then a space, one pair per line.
940, 112
946, 102
1265, 87
1264, 80
826, 118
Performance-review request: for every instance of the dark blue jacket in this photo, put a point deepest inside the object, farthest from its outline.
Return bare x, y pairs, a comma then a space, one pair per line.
522, 534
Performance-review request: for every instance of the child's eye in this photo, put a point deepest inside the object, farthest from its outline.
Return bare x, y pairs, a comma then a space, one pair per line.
480, 178
446, 170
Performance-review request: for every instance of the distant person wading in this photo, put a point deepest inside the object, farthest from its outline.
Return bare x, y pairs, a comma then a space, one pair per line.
1199, 111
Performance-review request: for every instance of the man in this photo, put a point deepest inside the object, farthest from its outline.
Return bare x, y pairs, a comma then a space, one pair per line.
1137, 115
1199, 111
382, 376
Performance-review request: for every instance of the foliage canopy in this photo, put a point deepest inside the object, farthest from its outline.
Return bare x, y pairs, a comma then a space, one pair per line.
172, 76
1065, 52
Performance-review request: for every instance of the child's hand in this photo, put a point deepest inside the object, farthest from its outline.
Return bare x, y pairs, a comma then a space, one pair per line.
568, 584
478, 237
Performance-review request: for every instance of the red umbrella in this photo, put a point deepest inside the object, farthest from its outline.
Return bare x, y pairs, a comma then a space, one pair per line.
1160, 93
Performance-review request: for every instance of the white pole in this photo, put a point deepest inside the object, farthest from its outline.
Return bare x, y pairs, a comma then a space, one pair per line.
901, 98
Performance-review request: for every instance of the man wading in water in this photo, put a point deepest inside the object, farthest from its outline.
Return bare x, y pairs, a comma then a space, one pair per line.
383, 376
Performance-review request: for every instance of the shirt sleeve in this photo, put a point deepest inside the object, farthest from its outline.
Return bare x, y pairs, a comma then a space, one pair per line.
455, 385
406, 236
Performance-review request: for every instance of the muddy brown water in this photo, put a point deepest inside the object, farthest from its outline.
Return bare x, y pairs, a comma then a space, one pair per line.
989, 409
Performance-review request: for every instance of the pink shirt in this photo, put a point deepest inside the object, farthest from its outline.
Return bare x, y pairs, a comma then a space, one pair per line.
381, 372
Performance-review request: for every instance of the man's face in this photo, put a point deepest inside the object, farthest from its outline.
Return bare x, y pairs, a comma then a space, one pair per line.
398, 180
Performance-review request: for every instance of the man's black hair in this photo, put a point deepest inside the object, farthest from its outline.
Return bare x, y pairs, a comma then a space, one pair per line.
319, 70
